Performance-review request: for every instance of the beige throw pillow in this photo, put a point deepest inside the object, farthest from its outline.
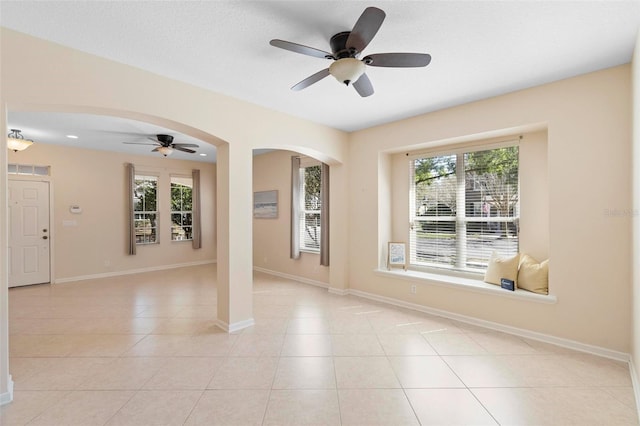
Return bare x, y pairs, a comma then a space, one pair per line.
502, 267
533, 275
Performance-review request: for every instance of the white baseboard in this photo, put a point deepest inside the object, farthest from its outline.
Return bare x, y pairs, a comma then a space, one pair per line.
7, 396
292, 277
635, 384
533, 335
236, 326
132, 271
528, 334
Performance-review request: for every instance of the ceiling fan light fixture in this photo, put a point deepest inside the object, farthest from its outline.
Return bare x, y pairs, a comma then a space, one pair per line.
16, 142
347, 70
165, 150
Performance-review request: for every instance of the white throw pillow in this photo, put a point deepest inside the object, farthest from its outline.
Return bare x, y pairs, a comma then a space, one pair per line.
533, 275
502, 267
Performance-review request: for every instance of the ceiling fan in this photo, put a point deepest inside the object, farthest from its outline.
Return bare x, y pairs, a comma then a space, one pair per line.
346, 48
165, 146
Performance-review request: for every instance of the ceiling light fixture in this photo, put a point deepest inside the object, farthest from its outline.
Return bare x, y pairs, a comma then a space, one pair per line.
165, 150
16, 142
202, 154
347, 70
72, 136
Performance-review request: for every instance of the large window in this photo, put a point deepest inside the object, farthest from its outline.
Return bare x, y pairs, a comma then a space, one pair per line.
311, 203
464, 206
181, 208
145, 207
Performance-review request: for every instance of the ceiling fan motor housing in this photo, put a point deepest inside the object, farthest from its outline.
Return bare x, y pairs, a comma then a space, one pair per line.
339, 46
165, 140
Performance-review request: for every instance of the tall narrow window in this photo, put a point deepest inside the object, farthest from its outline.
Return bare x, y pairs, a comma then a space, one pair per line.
181, 208
311, 204
145, 207
464, 206
196, 229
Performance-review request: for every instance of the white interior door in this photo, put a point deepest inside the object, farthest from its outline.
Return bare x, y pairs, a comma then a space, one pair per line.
29, 233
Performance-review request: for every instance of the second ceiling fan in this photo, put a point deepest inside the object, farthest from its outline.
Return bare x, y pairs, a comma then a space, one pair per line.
164, 145
346, 48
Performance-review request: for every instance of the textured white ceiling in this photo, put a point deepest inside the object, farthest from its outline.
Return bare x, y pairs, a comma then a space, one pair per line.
479, 48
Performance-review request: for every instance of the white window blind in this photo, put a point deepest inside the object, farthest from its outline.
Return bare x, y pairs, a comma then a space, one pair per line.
464, 206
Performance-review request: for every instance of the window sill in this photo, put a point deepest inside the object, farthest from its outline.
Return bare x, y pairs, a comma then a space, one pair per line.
467, 284
309, 251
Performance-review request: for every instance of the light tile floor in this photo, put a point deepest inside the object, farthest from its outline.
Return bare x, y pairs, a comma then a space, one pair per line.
144, 350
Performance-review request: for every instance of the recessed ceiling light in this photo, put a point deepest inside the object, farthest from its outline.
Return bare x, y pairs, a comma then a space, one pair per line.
72, 136
202, 154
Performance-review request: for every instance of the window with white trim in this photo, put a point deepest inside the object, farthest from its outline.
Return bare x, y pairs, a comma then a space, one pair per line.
28, 169
464, 205
181, 208
145, 209
310, 204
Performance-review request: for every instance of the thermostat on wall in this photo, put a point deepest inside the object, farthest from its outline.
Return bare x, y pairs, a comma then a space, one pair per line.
75, 209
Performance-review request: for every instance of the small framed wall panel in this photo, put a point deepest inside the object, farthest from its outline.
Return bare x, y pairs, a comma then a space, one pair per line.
397, 255
265, 204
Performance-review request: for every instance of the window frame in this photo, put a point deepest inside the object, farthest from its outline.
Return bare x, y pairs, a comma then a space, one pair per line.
305, 163
460, 216
180, 212
156, 212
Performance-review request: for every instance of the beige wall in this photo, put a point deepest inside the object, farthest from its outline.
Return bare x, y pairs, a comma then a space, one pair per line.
589, 175
95, 180
6, 385
635, 255
271, 236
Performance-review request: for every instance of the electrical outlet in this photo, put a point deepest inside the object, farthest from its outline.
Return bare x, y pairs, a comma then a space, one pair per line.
413, 289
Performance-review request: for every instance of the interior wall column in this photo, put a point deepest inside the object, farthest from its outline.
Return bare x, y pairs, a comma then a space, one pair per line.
635, 199
384, 201
338, 243
6, 385
234, 218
